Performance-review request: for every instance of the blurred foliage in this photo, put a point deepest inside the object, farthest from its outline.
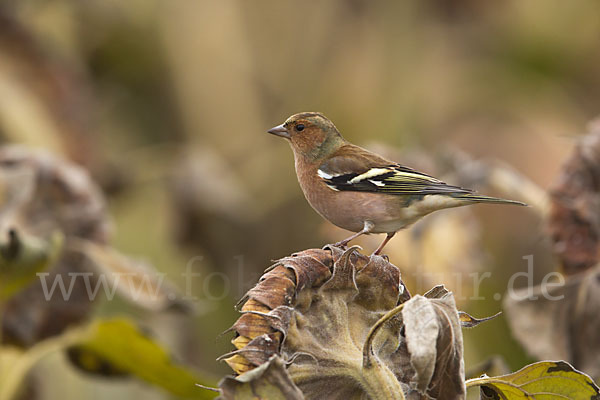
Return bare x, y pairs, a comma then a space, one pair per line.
116, 344
166, 104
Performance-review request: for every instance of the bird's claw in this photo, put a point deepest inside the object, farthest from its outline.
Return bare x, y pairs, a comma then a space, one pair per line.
343, 244
384, 256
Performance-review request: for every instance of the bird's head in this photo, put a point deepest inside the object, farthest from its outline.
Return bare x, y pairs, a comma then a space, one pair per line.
310, 134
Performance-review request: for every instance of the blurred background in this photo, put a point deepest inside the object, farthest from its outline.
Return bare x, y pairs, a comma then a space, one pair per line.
167, 103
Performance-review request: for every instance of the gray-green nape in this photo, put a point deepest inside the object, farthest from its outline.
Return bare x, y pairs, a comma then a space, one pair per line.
324, 123
329, 146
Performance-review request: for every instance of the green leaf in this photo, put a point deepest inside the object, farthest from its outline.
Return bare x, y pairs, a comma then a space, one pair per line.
120, 343
543, 380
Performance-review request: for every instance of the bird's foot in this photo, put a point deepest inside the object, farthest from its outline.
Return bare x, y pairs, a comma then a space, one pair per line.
343, 244
340, 245
384, 256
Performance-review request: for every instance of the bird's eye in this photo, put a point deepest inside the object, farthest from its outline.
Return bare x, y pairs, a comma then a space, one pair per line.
299, 127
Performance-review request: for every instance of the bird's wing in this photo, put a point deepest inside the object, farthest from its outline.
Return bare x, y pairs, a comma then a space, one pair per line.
358, 170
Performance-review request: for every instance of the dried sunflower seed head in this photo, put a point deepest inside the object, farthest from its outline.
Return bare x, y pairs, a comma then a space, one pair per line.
347, 327
41, 194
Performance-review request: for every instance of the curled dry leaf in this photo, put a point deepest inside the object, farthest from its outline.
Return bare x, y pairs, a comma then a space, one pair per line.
468, 321
434, 345
269, 381
574, 220
347, 327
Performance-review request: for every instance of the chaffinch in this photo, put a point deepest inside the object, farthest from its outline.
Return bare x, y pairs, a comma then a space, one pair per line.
360, 191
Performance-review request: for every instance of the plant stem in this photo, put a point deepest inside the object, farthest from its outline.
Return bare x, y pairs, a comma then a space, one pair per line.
367, 353
380, 382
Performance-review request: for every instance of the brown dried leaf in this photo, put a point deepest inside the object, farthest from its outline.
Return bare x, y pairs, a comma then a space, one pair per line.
435, 348
468, 321
274, 290
311, 267
437, 292
261, 348
252, 325
270, 381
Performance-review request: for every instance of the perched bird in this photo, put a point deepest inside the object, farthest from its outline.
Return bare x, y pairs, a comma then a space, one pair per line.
360, 191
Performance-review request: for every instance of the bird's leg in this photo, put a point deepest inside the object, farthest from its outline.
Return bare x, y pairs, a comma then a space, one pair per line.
366, 229
382, 245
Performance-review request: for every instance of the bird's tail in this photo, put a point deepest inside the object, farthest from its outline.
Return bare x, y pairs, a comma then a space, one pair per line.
479, 198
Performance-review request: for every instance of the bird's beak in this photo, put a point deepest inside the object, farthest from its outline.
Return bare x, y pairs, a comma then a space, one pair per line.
279, 130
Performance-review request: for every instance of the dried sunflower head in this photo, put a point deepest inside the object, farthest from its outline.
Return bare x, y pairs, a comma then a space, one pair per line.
41, 194
346, 327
